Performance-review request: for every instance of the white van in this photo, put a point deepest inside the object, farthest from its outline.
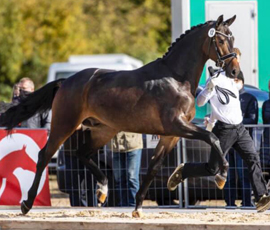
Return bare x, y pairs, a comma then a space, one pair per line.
77, 63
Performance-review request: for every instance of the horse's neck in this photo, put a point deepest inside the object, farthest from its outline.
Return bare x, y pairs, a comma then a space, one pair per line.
186, 61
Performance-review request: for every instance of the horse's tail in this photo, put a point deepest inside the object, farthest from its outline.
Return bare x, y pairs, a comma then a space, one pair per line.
39, 101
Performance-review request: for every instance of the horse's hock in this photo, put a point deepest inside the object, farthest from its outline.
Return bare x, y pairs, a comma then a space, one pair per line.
82, 219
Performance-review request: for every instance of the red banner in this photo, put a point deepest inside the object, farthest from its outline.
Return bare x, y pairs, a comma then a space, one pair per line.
18, 158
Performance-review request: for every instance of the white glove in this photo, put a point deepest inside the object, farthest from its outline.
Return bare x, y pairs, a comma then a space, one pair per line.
206, 121
211, 83
210, 126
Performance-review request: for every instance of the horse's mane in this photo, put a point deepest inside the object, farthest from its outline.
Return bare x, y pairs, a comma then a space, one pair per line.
183, 35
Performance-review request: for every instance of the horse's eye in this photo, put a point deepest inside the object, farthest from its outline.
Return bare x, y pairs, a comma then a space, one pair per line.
221, 42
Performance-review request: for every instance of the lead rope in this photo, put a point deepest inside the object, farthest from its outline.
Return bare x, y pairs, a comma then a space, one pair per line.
226, 93
219, 90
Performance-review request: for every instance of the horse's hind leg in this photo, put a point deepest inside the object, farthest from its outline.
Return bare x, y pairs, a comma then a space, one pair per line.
61, 129
44, 158
99, 137
164, 146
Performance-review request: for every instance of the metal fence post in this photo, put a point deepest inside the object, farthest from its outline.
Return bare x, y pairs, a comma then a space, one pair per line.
184, 151
179, 160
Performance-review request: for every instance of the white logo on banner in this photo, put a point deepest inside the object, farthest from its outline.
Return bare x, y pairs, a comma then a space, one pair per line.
25, 177
152, 141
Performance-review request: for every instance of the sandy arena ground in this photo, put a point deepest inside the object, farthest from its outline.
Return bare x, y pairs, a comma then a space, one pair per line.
112, 218
62, 216
168, 215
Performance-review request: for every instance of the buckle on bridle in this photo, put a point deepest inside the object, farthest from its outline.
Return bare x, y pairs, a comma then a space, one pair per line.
220, 63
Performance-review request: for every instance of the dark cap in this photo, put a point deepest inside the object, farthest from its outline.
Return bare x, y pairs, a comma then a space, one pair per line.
240, 76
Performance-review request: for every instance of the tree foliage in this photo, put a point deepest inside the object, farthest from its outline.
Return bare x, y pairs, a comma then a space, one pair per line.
36, 33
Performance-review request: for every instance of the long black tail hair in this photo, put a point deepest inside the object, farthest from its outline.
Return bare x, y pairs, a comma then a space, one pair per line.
39, 101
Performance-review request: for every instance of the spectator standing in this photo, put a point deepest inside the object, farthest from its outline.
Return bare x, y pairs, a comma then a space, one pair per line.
127, 152
15, 99
16, 93
238, 172
38, 120
265, 144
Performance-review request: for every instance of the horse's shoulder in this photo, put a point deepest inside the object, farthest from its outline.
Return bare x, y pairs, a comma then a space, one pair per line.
180, 87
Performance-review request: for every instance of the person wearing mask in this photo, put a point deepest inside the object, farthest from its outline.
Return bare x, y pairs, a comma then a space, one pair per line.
38, 120
238, 172
127, 153
226, 110
15, 99
16, 93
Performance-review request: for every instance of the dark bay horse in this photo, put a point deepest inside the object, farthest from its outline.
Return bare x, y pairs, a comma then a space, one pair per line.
157, 98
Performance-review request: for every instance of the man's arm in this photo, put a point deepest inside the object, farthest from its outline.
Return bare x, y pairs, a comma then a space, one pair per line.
206, 94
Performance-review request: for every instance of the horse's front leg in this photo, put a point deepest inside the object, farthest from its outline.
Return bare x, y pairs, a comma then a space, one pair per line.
164, 146
97, 138
217, 162
84, 154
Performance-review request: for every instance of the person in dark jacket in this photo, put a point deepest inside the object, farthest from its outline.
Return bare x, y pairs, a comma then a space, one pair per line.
265, 142
38, 120
238, 180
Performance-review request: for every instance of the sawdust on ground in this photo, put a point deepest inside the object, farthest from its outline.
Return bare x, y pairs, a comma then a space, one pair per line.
164, 216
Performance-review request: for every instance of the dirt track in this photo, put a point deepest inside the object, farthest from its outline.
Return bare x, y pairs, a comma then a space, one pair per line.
154, 219
57, 217
187, 216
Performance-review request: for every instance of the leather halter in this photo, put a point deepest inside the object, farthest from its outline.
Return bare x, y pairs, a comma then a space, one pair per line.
220, 62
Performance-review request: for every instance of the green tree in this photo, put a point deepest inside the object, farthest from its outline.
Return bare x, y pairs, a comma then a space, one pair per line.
140, 28
36, 33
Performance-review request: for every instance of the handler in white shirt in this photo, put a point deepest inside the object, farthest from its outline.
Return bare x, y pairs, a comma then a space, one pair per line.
226, 117
221, 105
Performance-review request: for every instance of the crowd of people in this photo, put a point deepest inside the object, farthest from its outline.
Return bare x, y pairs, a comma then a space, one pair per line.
127, 147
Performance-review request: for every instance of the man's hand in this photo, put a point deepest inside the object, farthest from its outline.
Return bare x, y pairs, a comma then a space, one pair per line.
211, 84
206, 121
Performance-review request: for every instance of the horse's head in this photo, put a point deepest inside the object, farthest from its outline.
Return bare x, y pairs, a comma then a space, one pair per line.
220, 46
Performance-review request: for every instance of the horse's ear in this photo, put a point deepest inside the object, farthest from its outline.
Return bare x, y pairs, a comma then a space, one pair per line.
230, 21
219, 21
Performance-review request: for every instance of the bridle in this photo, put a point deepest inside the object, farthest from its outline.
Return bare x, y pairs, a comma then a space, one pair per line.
220, 62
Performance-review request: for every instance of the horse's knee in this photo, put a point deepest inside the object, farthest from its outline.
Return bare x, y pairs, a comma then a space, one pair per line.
41, 163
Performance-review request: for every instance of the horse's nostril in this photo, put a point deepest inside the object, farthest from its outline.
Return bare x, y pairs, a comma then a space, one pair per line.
233, 72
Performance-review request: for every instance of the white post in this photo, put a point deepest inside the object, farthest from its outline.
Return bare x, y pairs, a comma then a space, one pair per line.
180, 17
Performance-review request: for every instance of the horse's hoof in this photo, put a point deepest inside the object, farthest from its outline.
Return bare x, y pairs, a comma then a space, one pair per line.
137, 214
220, 181
24, 208
101, 196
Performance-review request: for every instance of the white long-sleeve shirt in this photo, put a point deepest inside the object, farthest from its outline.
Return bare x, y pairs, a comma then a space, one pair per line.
229, 113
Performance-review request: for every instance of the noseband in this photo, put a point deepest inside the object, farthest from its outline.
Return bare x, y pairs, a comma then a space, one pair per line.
220, 62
